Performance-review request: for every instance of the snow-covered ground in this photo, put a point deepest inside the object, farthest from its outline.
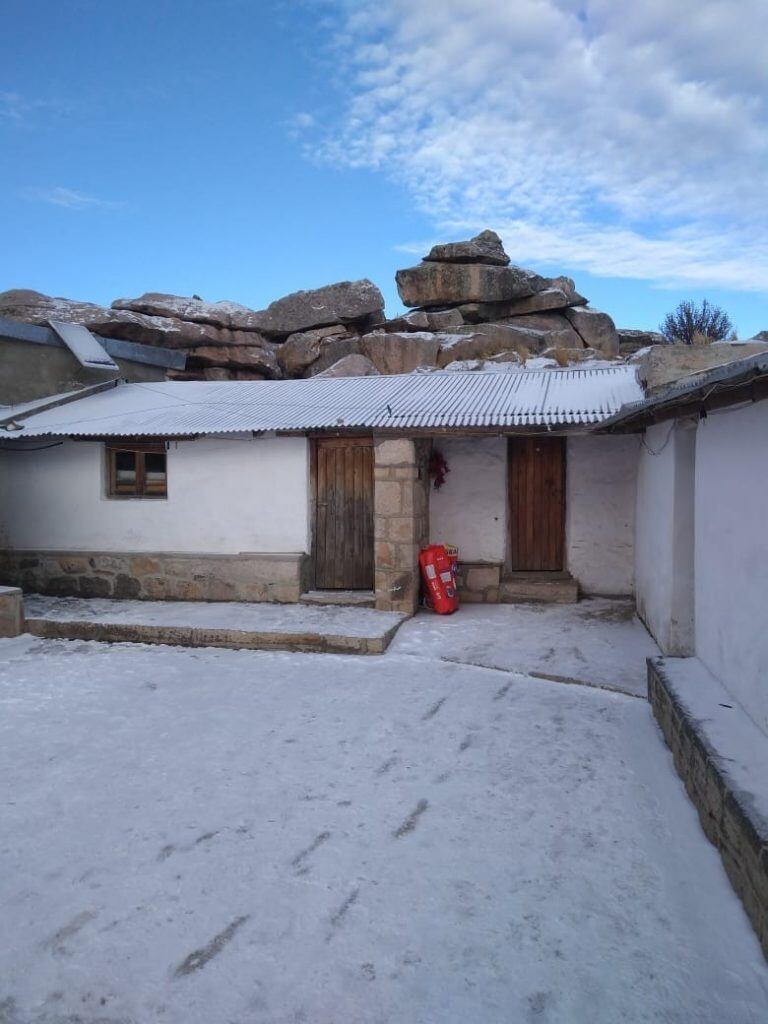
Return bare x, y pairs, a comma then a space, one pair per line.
247, 616
208, 836
598, 641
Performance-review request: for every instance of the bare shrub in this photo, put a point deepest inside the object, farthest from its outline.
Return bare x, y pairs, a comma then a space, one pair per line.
692, 320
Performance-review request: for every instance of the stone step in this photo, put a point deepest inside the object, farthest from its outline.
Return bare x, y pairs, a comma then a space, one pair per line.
545, 587
251, 626
351, 598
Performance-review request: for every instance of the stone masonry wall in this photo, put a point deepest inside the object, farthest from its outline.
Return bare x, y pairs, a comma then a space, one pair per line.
479, 582
728, 821
11, 611
401, 520
158, 576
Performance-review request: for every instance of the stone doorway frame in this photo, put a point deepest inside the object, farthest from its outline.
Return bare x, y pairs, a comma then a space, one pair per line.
400, 519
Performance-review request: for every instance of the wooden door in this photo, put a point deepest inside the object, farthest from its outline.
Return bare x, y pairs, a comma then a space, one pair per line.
536, 503
343, 528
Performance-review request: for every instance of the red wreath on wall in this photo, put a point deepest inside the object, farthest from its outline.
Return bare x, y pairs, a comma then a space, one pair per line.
438, 468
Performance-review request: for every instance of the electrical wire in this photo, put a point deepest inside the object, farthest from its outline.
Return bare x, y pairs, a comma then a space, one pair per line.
41, 448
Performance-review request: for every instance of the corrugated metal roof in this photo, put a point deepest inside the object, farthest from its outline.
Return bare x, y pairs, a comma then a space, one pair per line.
551, 398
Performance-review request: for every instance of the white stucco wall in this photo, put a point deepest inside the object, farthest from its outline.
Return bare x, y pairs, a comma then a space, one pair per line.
732, 553
470, 509
224, 496
600, 512
653, 533
664, 536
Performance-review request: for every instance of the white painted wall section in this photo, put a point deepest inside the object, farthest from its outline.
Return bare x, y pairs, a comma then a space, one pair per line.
224, 496
601, 475
664, 563
653, 535
470, 509
732, 553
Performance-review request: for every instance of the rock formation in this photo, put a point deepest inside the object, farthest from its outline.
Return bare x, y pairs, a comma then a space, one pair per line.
470, 308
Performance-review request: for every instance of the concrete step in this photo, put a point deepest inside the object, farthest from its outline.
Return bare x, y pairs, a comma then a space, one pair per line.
259, 627
350, 598
545, 587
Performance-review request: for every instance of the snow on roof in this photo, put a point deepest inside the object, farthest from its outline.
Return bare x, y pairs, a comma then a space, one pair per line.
551, 398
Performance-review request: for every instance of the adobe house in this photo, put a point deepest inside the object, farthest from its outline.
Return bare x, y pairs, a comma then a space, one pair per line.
267, 490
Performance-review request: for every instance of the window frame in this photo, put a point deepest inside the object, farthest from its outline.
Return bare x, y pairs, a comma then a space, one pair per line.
140, 449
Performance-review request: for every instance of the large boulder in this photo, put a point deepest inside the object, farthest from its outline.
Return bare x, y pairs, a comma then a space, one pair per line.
345, 302
416, 320
301, 349
444, 319
631, 341
260, 359
354, 365
180, 307
597, 330
332, 349
421, 320
451, 284
400, 353
485, 248
488, 340
559, 293
556, 326
665, 364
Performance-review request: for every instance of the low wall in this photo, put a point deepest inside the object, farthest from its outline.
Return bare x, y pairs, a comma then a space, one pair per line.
722, 773
158, 576
479, 582
11, 612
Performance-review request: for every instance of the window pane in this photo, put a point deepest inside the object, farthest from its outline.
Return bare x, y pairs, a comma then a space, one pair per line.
125, 472
154, 473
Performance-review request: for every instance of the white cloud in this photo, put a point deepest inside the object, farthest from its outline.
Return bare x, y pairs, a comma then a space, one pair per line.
21, 109
71, 199
12, 106
628, 140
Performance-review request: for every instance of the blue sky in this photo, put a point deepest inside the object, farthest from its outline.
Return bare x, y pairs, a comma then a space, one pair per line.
243, 150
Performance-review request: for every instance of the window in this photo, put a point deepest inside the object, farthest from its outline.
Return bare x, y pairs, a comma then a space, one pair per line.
136, 470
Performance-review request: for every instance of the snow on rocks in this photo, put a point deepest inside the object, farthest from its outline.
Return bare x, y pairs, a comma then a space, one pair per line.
465, 287
401, 353
353, 365
345, 302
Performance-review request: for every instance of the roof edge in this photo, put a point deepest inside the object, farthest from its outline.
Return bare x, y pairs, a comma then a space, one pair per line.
130, 351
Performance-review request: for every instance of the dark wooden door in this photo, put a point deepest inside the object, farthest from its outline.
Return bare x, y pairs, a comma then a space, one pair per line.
343, 535
536, 503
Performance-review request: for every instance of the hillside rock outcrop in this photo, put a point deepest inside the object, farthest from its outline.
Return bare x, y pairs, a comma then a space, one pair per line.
470, 306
